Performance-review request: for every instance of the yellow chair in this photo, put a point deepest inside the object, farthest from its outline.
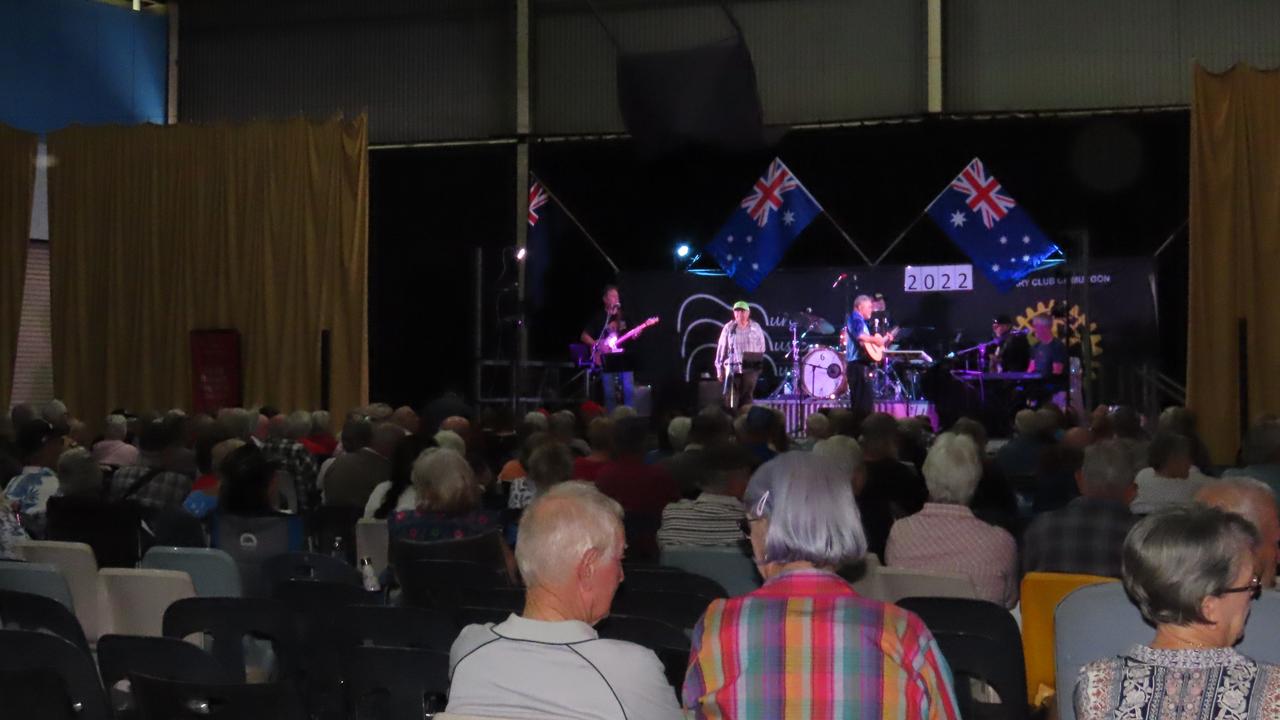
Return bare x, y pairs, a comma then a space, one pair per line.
1041, 593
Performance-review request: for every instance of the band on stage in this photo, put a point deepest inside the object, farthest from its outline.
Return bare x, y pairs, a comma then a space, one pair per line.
868, 361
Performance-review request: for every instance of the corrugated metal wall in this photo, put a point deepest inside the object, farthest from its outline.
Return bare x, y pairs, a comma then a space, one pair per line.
1041, 55
816, 60
423, 70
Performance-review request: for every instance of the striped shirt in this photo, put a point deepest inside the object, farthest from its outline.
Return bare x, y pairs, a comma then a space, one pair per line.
735, 340
711, 519
807, 646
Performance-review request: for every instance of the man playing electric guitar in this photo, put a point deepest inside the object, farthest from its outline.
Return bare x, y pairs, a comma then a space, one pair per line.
605, 332
864, 349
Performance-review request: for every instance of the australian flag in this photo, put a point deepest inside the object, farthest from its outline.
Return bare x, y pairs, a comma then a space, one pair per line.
758, 233
984, 221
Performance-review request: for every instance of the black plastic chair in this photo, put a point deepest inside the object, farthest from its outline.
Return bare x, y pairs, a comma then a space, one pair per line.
980, 640
677, 608
307, 566
485, 549
645, 631
28, 656
468, 615
113, 530
314, 596
252, 540
328, 525
413, 682
446, 583
24, 611
407, 627
161, 657
160, 699
660, 578
675, 665
229, 621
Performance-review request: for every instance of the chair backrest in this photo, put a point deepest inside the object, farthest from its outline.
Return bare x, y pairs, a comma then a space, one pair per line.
731, 568
676, 608
307, 566
112, 530
444, 583
80, 568
320, 596
178, 700
43, 579
1041, 592
1099, 621
229, 621
372, 541
26, 611
647, 631
330, 524
167, 658
136, 599
414, 681
980, 640
485, 549
897, 583
213, 572
409, 627
479, 615
660, 578
251, 540
864, 576
24, 650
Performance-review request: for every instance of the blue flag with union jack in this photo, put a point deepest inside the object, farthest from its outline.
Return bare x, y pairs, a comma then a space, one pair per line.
991, 228
758, 233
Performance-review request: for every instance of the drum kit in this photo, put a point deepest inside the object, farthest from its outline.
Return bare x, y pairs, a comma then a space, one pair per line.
819, 368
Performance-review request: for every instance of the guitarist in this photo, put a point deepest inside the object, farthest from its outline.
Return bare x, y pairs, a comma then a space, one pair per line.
740, 356
860, 364
608, 320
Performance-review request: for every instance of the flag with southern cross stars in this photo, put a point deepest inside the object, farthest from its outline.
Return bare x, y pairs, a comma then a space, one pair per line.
756, 236
983, 219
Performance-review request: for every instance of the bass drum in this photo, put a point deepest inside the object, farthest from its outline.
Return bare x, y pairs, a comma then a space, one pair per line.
822, 373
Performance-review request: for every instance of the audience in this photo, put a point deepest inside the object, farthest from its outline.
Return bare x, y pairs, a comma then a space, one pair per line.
1261, 455
1020, 457
448, 501
548, 661
1181, 421
758, 429
847, 454
549, 465
516, 472
79, 475
203, 499
1086, 535
248, 487
709, 427
1254, 501
406, 419
563, 425
154, 484
284, 447
1055, 481
1190, 571
713, 518
319, 441
1170, 478
642, 490
945, 536
806, 642
352, 476
398, 493
893, 489
39, 444
112, 449
600, 438
994, 501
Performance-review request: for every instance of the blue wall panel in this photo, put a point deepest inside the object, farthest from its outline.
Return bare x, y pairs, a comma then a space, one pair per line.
80, 61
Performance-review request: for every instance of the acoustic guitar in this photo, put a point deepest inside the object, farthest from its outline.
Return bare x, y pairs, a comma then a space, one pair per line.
875, 351
612, 342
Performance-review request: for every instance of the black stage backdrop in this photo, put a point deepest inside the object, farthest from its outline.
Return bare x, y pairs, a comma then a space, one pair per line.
671, 356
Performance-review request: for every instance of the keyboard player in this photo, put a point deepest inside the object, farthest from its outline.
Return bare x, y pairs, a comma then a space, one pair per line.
1048, 359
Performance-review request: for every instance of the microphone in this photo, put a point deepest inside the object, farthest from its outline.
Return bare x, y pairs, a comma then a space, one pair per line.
842, 278
616, 307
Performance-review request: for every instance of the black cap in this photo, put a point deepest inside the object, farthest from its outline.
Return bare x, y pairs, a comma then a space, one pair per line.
1002, 319
34, 435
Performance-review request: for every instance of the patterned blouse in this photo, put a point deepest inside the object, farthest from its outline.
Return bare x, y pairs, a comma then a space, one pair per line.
1147, 684
426, 526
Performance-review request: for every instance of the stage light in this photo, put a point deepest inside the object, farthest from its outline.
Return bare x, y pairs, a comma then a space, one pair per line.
682, 250
521, 254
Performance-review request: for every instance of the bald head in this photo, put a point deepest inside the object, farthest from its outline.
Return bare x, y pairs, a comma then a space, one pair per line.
1078, 438
458, 424
1256, 502
406, 418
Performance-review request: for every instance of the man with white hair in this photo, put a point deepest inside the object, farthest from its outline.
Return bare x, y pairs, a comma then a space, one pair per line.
945, 536
112, 449
55, 413
1087, 535
548, 661
1255, 501
1020, 457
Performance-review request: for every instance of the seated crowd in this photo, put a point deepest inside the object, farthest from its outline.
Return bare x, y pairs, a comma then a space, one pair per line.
574, 492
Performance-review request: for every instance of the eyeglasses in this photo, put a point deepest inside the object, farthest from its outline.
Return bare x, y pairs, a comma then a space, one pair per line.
1254, 588
745, 524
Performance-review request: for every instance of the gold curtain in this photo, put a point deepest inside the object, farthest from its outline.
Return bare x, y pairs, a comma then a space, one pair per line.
1235, 250
160, 230
17, 187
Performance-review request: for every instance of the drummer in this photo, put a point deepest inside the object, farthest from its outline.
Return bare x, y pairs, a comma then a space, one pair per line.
740, 356
859, 365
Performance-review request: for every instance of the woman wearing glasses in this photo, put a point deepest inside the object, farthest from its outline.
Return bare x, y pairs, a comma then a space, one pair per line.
806, 644
1190, 570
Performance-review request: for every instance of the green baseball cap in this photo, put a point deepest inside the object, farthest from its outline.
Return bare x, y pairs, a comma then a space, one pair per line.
742, 305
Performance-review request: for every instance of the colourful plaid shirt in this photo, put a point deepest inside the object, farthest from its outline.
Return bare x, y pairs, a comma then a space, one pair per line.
807, 646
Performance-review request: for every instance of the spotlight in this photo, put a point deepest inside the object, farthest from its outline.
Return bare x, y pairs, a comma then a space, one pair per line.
682, 250
521, 254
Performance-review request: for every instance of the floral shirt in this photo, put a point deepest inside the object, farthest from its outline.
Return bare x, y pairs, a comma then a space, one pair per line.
11, 533
1148, 684
28, 492
425, 525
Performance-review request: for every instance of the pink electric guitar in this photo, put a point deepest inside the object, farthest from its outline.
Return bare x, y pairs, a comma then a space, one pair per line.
612, 342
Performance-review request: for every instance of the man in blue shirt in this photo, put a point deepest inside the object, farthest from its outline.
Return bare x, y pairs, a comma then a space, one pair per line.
1048, 359
860, 397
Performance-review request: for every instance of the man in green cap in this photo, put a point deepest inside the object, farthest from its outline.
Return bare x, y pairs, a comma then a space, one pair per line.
740, 356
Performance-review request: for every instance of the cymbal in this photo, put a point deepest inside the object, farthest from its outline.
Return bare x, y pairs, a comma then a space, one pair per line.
811, 322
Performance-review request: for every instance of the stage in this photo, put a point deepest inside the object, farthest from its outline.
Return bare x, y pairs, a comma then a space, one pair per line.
795, 408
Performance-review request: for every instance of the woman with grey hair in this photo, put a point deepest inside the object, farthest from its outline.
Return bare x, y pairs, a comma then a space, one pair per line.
79, 475
1190, 570
945, 536
806, 642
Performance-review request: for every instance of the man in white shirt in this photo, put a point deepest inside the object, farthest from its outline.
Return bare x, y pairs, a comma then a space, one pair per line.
740, 356
548, 662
